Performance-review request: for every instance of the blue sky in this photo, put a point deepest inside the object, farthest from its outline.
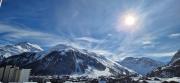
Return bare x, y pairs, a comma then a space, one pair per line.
95, 25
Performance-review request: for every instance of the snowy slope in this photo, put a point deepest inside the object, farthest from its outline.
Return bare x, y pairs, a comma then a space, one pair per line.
20, 60
63, 48
141, 65
175, 58
9, 50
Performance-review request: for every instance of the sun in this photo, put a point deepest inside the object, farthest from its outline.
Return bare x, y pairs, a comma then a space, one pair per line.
129, 20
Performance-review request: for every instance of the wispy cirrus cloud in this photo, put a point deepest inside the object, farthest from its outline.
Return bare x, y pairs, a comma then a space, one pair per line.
1, 2
89, 39
174, 35
47, 24
146, 42
160, 54
15, 33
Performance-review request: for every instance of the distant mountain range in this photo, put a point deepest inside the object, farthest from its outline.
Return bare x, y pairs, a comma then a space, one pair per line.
64, 59
141, 65
61, 60
172, 69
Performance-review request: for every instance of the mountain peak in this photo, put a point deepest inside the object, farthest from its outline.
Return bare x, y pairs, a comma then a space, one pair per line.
28, 45
176, 56
141, 65
169, 70
18, 48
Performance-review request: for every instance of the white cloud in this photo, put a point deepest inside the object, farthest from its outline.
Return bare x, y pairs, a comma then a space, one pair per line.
161, 54
147, 39
174, 35
102, 52
146, 42
109, 35
89, 39
1, 2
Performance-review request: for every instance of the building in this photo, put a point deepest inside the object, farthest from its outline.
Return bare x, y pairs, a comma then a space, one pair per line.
6, 73
1, 72
14, 74
24, 75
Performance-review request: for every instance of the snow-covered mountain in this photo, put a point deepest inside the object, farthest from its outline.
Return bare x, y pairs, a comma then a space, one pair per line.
172, 69
9, 50
175, 58
68, 60
141, 65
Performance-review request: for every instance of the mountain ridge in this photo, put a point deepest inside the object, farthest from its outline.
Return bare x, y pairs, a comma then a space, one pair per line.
169, 70
15, 49
142, 65
63, 59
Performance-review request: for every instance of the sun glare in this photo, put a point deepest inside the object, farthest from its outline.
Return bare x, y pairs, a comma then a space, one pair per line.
130, 20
